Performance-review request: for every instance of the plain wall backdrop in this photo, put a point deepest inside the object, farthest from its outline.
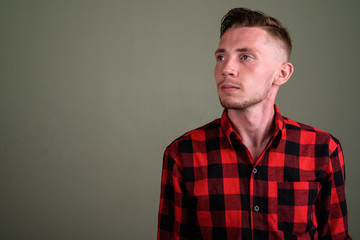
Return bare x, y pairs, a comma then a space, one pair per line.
91, 93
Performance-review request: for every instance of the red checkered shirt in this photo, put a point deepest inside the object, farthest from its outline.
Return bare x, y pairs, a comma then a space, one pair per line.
213, 189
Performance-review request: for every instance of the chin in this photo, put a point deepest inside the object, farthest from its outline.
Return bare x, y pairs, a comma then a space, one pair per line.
237, 105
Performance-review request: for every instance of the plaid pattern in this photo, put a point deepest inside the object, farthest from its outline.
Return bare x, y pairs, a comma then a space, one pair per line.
212, 189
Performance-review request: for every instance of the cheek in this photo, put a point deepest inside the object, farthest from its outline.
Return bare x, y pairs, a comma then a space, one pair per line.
216, 69
254, 69
217, 72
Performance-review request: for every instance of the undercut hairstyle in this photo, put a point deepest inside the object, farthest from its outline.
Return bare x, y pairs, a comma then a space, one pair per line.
243, 17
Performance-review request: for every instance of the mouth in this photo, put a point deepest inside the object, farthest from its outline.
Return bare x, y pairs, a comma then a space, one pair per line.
228, 88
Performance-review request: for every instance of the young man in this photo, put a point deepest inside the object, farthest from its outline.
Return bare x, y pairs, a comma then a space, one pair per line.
253, 173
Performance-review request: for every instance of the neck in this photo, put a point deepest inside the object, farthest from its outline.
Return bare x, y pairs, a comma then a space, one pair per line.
255, 125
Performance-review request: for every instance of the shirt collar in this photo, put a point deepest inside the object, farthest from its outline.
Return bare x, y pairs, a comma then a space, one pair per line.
231, 135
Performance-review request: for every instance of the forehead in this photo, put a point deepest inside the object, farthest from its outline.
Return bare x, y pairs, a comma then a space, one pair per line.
246, 37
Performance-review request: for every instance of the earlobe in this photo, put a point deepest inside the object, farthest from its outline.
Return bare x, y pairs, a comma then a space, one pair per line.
284, 73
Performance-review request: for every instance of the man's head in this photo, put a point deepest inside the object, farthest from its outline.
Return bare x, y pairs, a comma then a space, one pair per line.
243, 17
251, 60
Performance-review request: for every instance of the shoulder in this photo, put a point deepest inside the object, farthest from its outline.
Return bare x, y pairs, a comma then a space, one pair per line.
185, 143
306, 134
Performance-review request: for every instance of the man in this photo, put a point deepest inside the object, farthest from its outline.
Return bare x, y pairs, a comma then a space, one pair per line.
253, 174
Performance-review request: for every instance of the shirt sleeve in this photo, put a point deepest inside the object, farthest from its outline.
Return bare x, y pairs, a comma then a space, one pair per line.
331, 210
173, 218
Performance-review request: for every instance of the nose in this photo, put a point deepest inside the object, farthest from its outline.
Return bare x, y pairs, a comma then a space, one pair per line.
229, 68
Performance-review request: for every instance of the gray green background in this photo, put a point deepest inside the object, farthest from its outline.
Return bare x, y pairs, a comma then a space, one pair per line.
91, 93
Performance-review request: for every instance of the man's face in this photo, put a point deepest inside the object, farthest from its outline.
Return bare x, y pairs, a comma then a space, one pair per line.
247, 61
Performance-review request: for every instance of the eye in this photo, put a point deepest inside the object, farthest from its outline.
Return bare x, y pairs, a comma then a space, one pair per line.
220, 57
245, 57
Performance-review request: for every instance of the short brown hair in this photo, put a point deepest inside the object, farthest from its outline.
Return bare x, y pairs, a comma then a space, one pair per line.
243, 17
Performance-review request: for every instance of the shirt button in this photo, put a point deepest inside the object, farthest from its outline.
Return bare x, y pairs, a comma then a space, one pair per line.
255, 171
256, 208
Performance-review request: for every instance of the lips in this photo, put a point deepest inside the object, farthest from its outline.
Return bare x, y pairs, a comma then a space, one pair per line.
228, 88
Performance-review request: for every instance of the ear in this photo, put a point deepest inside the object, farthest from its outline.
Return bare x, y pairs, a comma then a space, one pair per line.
285, 72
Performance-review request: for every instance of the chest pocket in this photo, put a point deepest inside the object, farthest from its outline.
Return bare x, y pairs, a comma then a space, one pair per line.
296, 206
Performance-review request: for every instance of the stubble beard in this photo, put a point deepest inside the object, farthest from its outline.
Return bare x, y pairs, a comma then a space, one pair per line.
245, 103
239, 105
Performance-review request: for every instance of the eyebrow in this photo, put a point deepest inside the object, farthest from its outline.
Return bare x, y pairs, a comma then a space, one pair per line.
221, 50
